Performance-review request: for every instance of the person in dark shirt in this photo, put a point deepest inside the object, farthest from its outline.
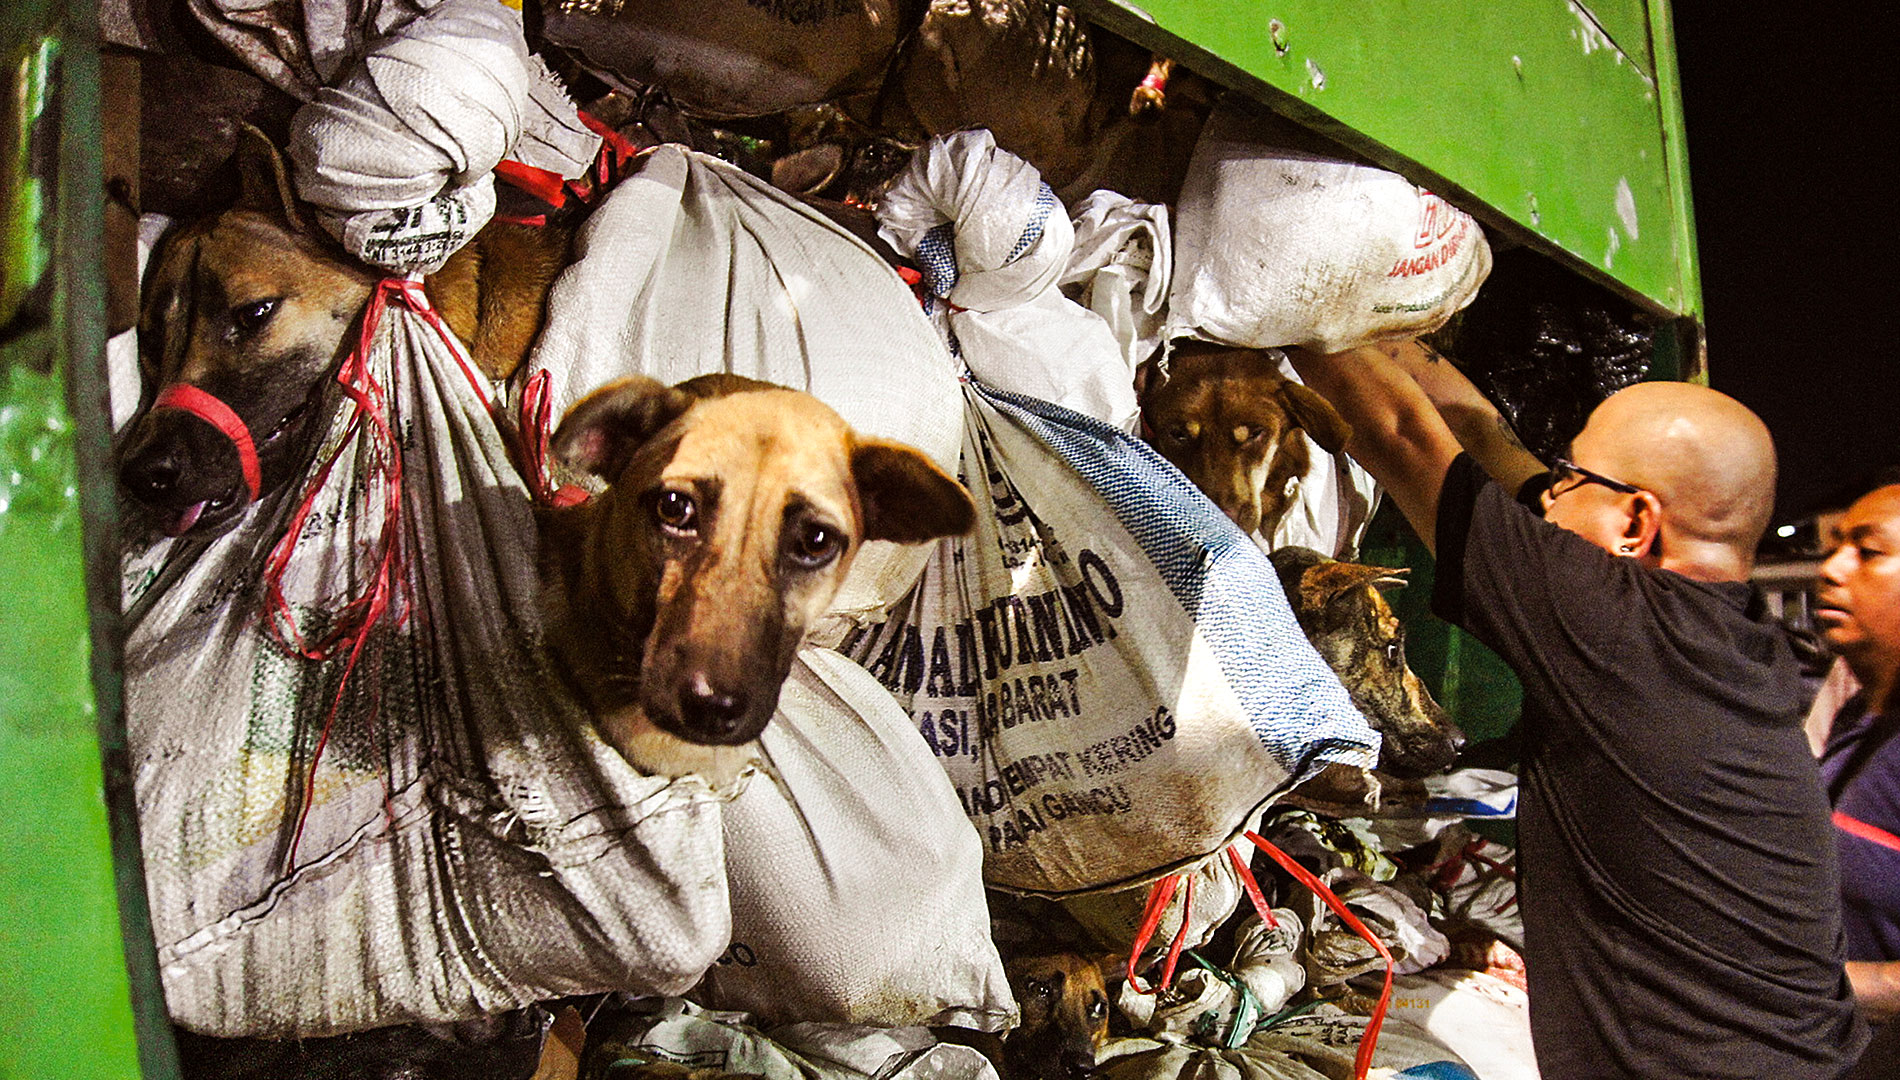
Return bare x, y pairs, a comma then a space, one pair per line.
1857, 611
1676, 860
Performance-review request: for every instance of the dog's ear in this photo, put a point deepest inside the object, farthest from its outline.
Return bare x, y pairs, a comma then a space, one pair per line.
1328, 582
602, 430
1316, 416
264, 178
905, 496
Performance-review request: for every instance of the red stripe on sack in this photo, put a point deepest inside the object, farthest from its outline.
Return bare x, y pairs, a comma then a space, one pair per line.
1874, 833
204, 406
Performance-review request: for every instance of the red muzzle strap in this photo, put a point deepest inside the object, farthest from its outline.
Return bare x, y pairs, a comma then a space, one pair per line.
219, 415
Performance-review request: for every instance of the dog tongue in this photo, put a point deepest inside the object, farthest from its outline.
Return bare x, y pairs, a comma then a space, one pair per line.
185, 520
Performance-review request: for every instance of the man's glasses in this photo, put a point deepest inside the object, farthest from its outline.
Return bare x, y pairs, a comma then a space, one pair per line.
1563, 469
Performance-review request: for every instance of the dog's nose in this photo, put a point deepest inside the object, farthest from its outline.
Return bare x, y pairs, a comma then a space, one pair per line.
1078, 1062
151, 477
715, 711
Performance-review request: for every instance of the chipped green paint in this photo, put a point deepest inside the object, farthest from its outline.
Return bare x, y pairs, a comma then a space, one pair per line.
1558, 123
80, 995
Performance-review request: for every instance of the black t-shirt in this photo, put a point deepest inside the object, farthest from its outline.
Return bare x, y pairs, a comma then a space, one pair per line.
1677, 866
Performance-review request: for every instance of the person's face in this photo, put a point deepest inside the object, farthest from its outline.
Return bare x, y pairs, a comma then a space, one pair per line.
1593, 510
1858, 595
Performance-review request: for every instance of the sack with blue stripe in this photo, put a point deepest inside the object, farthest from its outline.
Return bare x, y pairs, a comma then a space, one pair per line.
1106, 667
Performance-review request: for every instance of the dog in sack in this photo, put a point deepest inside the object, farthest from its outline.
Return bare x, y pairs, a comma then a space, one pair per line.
1106, 667
1341, 607
679, 597
692, 267
1241, 430
343, 729
337, 647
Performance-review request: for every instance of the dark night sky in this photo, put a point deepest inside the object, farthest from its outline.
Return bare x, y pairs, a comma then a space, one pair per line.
1791, 124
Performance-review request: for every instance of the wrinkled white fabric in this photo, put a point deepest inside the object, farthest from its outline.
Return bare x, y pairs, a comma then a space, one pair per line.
993, 242
1333, 502
1121, 267
822, 931
412, 111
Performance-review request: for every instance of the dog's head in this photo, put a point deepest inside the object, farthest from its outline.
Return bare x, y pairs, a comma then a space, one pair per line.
680, 595
1352, 627
243, 315
1229, 420
1064, 1004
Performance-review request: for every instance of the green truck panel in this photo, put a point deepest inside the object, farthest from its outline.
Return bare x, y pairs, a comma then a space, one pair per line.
1552, 121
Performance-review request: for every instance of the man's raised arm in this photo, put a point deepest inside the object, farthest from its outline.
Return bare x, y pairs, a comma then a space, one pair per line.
1397, 434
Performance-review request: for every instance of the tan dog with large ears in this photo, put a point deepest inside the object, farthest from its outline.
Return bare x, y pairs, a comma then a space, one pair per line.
1228, 419
678, 598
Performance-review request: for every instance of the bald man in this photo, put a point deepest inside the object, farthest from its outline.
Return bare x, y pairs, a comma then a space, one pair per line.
1674, 840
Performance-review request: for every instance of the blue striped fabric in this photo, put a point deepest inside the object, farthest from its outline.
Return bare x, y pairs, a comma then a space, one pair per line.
937, 259
1295, 704
1038, 219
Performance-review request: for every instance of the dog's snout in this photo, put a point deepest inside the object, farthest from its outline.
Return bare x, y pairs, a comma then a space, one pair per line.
1078, 1061
719, 713
151, 477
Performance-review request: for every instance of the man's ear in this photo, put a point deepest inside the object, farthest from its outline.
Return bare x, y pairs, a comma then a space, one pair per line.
602, 430
905, 496
264, 178
1642, 533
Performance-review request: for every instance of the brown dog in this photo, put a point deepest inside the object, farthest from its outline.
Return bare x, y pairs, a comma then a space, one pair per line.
1064, 1004
1229, 420
1352, 627
678, 598
253, 307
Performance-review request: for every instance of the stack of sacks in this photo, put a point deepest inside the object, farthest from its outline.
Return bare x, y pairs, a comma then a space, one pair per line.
993, 243
410, 105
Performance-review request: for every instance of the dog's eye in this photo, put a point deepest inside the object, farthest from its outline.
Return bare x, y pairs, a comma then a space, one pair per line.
1180, 433
249, 317
676, 511
1098, 1010
813, 545
1392, 656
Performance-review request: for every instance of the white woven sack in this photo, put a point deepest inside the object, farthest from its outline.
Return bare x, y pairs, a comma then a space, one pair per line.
1106, 667
410, 103
1279, 247
857, 883
473, 845
692, 265
992, 241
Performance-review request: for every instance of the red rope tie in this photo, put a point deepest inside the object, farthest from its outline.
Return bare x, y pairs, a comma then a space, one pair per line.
201, 404
537, 415
1159, 894
1370, 1041
384, 596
